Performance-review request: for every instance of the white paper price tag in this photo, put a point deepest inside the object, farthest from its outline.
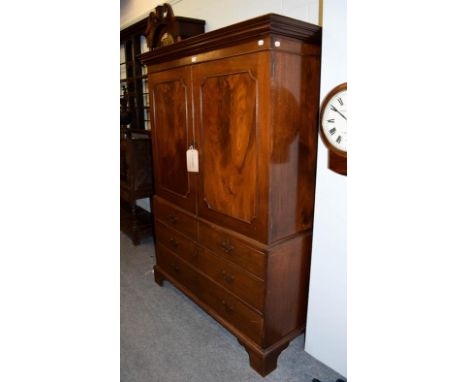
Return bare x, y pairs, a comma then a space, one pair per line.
192, 160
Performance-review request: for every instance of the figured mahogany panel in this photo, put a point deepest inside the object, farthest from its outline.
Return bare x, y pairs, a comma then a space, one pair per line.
171, 120
228, 120
171, 126
229, 144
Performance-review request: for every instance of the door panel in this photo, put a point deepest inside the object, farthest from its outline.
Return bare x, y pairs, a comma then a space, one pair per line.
170, 94
227, 104
229, 144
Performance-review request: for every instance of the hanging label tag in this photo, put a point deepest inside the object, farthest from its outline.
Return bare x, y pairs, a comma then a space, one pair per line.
192, 159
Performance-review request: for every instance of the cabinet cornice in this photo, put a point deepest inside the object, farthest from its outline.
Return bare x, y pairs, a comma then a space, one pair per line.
270, 24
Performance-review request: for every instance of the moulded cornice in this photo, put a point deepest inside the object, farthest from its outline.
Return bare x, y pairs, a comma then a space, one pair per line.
231, 35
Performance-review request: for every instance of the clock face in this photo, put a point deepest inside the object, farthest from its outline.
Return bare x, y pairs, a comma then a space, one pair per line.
167, 39
334, 120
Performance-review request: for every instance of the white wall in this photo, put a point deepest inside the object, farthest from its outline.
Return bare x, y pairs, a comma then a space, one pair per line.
326, 325
326, 319
220, 13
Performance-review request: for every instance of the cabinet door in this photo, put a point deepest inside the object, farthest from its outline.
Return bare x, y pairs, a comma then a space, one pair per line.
230, 129
172, 131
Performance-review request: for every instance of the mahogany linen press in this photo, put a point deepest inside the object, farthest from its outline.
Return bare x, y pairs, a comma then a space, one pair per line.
236, 235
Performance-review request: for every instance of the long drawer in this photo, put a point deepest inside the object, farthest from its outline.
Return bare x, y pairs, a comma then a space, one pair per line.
232, 249
217, 298
175, 218
177, 242
244, 285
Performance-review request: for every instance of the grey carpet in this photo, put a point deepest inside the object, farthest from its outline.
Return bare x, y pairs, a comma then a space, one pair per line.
165, 337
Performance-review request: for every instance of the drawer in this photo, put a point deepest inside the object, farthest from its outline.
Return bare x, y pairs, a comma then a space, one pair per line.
232, 249
175, 218
175, 241
176, 268
243, 284
230, 308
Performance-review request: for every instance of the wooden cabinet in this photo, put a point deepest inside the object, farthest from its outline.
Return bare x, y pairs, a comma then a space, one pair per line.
136, 182
236, 236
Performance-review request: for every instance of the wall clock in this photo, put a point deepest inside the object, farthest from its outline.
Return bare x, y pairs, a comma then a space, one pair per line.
333, 128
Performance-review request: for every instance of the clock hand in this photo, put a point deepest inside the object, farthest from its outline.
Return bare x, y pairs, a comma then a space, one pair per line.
335, 109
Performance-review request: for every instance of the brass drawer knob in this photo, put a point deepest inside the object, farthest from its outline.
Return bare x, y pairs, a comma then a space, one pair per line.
227, 277
173, 219
227, 307
173, 242
226, 245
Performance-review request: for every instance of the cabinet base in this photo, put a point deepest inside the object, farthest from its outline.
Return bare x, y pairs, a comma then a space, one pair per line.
263, 361
158, 276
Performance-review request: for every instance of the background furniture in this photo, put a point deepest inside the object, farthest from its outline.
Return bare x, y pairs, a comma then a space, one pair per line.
135, 136
236, 236
136, 182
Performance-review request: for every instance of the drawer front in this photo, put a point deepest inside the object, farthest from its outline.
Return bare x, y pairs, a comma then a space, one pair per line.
243, 284
231, 309
177, 269
233, 250
178, 243
175, 218
247, 287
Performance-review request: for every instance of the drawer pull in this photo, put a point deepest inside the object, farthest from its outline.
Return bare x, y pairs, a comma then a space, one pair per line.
226, 246
176, 268
173, 242
227, 277
173, 219
227, 307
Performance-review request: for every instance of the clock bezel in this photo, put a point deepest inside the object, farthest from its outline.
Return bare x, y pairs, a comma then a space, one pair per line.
337, 89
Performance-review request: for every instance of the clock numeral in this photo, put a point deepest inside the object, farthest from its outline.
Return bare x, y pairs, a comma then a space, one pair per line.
340, 101
331, 120
338, 140
332, 131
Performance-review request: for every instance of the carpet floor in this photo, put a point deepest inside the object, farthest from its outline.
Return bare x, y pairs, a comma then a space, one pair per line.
165, 337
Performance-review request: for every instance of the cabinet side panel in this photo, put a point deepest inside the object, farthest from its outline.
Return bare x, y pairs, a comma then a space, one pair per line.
295, 108
288, 280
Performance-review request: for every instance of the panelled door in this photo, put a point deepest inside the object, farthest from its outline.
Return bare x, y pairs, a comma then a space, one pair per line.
172, 132
231, 136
